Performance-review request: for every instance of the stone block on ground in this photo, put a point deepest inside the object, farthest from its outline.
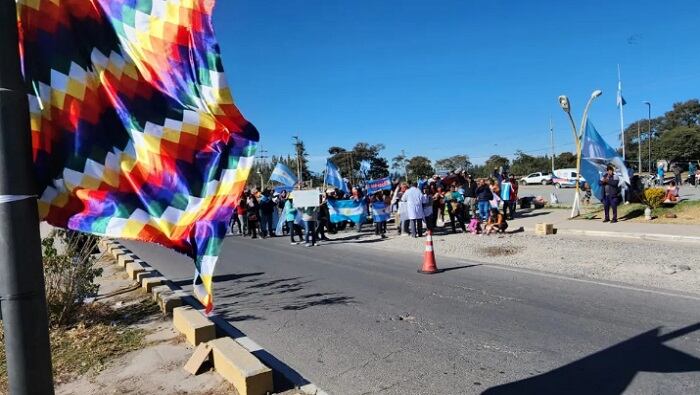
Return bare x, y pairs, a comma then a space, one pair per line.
169, 301
194, 325
544, 229
133, 268
199, 357
149, 283
239, 367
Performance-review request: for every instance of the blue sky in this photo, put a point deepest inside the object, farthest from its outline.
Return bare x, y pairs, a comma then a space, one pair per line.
439, 78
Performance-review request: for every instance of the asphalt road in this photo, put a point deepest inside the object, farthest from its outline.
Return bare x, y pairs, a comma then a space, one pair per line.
358, 320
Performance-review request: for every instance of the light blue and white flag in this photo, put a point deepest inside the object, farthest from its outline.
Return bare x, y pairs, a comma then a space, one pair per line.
364, 167
283, 175
620, 100
380, 211
334, 178
596, 155
347, 210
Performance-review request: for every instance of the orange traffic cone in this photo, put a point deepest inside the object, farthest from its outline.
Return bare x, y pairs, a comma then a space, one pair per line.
429, 264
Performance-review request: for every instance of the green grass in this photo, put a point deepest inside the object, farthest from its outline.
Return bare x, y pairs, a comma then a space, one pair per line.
687, 212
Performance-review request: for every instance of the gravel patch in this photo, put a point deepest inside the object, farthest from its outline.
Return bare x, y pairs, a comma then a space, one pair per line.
674, 266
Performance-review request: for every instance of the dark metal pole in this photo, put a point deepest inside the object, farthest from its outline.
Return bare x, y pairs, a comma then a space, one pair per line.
649, 125
22, 295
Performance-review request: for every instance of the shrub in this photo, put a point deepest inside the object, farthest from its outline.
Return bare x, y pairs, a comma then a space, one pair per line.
653, 197
69, 272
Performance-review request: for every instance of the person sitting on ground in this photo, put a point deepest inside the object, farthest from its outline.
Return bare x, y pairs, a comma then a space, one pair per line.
474, 225
496, 223
672, 193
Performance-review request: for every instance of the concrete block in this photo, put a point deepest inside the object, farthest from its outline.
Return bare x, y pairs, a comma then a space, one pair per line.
159, 290
544, 229
149, 282
133, 268
201, 354
123, 259
194, 325
239, 367
169, 301
150, 272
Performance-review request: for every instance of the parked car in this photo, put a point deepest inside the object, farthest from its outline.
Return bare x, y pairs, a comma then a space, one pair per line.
537, 178
566, 178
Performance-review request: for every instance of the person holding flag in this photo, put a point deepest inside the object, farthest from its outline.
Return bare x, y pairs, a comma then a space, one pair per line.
611, 191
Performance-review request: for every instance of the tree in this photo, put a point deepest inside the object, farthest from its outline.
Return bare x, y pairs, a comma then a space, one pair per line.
348, 162
301, 159
452, 163
565, 160
495, 162
379, 168
419, 166
679, 144
399, 162
524, 164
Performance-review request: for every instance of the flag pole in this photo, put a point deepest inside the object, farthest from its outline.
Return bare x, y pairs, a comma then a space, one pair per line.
22, 294
622, 117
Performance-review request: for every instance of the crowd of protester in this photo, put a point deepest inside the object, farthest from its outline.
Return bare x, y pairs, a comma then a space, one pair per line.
456, 202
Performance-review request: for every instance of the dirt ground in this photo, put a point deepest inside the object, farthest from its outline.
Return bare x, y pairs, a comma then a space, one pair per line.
156, 366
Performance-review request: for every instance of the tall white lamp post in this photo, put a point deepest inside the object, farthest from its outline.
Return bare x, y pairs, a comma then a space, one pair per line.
578, 139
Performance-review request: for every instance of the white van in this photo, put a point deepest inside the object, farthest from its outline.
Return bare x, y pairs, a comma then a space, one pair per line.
566, 178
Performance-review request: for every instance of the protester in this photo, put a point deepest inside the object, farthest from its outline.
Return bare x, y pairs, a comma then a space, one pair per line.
676, 169
324, 219
496, 223
401, 213
660, 174
470, 195
513, 201
439, 203
253, 212
483, 197
242, 215
495, 187
379, 221
672, 193
414, 199
506, 190
290, 216
455, 208
267, 208
692, 169
428, 212
611, 191
309, 215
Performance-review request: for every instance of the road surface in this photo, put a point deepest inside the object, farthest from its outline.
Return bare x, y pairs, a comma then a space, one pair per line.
358, 320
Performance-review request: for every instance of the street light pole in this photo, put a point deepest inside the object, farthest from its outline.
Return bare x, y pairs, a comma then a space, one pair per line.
578, 138
551, 140
639, 148
649, 126
22, 294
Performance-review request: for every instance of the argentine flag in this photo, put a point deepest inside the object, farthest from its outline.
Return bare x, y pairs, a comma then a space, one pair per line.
283, 175
334, 178
380, 211
347, 210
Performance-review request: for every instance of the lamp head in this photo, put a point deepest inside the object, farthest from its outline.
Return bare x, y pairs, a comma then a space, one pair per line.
564, 103
596, 93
